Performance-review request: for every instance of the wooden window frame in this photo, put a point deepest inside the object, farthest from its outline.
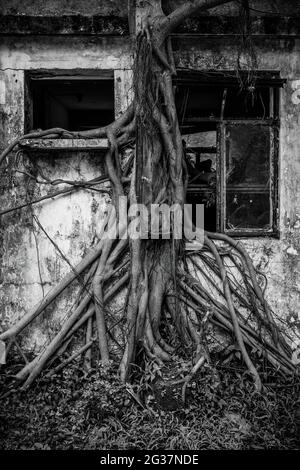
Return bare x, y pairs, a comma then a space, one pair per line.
273, 231
273, 82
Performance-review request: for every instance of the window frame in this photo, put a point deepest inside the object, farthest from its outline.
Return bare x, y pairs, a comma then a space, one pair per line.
273, 231
60, 74
273, 81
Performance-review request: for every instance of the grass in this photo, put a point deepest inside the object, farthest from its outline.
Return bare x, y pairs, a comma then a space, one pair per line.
75, 411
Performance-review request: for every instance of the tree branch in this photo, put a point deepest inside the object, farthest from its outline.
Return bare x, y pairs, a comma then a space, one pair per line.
131, 16
56, 132
188, 9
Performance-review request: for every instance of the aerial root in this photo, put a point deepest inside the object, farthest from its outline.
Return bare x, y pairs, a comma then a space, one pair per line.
195, 306
236, 305
190, 376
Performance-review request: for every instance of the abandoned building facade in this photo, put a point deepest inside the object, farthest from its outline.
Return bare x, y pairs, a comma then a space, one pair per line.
69, 64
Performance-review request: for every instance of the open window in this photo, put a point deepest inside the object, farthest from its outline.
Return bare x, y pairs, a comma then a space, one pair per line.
73, 102
231, 139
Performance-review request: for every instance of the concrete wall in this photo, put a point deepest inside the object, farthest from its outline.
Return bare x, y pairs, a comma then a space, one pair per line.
29, 263
119, 7
73, 221
63, 7
261, 7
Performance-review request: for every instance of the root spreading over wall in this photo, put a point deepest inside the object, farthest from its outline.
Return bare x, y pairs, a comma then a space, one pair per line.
173, 297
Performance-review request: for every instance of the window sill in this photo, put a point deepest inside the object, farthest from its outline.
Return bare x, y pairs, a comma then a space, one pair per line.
64, 144
253, 234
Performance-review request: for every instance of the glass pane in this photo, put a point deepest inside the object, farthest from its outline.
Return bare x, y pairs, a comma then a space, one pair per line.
247, 210
248, 177
247, 154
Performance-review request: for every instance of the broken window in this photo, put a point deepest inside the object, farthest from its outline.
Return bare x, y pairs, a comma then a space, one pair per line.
231, 145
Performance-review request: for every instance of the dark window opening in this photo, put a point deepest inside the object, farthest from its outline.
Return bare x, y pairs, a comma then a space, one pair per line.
207, 102
231, 145
73, 103
201, 160
247, 104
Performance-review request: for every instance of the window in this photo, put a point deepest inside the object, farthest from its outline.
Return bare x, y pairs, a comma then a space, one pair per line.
231, 139
73, 102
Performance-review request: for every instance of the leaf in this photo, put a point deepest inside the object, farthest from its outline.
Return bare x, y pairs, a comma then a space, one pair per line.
38, 445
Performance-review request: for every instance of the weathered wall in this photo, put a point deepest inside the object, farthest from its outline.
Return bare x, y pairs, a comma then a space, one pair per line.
30, 264
64, 7
119, 7
263, 7
72, 221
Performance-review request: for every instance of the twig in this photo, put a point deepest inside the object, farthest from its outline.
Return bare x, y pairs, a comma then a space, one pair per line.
191, 375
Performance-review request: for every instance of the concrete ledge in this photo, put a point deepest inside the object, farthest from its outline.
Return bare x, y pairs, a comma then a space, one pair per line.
64, 144
63, 25
224, 25
118, 26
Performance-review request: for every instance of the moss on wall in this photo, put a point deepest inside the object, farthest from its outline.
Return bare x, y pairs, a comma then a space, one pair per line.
64, 7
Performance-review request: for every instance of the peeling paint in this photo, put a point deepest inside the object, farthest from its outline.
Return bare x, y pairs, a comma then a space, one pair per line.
291, 251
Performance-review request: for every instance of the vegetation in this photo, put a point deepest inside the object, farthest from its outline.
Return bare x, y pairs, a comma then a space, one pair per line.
96, 411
